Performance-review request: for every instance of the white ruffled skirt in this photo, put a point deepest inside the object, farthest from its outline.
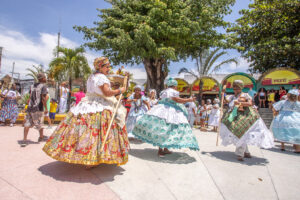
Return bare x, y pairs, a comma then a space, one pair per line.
258, 135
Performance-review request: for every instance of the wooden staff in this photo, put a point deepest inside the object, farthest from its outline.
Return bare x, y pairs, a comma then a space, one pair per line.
114, 114
221, 113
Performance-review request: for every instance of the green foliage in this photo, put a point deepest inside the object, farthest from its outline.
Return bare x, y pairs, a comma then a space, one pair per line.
206, 62
71, 65
155, 32
34, 71
268, 34
24, 99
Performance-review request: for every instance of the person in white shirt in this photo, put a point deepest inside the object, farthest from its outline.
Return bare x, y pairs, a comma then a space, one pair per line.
64, 91
214, 115
192, 110
208, 111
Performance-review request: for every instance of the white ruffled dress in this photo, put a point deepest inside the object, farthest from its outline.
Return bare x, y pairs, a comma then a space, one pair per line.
214, 116
255, 133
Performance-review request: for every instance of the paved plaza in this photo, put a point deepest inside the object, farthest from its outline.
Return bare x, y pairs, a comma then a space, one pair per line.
211, 173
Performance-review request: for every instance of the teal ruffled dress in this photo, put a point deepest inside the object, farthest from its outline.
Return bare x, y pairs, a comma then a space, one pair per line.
286, 125
166, 124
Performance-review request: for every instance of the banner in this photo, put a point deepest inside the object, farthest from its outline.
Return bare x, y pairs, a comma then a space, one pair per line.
183, 86
209, 85
281, 77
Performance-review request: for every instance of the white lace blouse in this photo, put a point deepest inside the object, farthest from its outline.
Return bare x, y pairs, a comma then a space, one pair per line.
169, 93
95, 81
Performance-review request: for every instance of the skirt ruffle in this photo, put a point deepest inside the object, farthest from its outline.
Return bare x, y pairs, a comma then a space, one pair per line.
78, 140
258, 135
158, 132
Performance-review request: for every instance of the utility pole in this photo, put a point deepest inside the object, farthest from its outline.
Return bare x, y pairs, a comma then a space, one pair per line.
1, 48
58, 44
13, 70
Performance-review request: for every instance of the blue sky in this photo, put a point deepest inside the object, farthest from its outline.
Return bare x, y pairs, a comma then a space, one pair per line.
28, 32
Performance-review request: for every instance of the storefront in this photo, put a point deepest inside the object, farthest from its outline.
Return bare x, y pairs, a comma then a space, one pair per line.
249, 81
183, 87
279, 77
210, 89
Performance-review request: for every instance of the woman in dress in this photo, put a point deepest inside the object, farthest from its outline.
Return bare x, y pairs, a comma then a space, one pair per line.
262, 98
166, 124
192, 113
286, 123
202, 114
282, 92
208, 111
214, 115
241, 124
137, 110
79, 137
152, 98
9, 105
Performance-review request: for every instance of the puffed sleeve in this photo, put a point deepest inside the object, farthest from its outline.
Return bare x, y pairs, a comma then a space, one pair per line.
229, 98
247, 96
101, 79
278, 106
173, 93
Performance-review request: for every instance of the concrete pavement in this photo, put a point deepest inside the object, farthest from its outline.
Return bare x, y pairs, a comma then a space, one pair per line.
211, 173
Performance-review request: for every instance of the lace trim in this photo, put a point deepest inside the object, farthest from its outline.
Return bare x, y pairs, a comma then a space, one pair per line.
173, 104
170, 114
258, 134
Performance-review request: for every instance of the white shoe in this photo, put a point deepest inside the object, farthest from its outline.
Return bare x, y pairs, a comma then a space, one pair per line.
11, 125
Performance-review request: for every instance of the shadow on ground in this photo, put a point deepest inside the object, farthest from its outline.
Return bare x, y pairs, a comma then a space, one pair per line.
288, 150
61, 171
231, 157
151, 155
29, 142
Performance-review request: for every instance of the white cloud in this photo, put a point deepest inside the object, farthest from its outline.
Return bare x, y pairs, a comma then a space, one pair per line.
242, 66
26, 51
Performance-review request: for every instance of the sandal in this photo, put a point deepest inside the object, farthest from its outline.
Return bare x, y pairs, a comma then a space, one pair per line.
160, 153
24, 143
247, 155
167, 151
44, 138
240, 158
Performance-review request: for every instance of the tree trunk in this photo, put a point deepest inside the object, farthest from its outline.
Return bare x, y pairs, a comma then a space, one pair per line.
199, 98
157, 71
69, 95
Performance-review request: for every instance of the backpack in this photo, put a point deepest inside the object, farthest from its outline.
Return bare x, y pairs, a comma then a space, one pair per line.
35, 103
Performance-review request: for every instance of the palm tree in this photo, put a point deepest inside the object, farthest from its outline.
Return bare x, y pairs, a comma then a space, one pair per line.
206, 64
70, 65
33, 72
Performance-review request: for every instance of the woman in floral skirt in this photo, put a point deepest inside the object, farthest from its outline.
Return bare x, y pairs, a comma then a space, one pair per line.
80, 135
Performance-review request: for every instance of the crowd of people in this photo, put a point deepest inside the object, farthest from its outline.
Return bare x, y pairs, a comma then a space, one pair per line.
266, 98
98, 129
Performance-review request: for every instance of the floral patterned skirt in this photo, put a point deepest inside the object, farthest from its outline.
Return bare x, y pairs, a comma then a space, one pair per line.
9, 111
78, 140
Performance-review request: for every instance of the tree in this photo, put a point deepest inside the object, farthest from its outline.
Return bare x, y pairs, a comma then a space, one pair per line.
268, 34
155, 32
70, 65
206, 63
33, 72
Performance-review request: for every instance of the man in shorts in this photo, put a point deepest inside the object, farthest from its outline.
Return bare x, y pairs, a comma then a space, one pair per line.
37, 106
